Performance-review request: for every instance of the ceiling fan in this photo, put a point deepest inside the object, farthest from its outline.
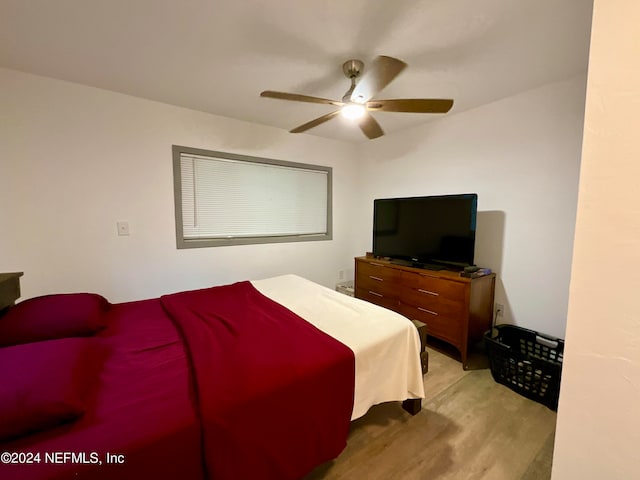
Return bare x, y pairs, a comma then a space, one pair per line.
357, 101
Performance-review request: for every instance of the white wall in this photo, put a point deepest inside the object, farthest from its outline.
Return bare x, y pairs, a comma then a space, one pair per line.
522, 156
74, 160
598, 430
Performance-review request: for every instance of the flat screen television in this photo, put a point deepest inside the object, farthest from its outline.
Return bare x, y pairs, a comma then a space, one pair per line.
429, 232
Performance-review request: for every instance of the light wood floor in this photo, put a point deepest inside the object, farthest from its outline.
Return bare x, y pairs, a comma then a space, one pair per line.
469, 428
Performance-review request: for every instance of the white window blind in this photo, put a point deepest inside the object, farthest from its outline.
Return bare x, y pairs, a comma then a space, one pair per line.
246, 201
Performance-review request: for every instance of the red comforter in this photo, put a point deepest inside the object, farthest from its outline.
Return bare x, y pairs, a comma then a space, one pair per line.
275, 394
250, 391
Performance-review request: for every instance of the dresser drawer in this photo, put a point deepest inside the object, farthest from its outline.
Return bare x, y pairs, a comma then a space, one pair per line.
421, 298
378, 270
440, 326
378, 285
381, 299
377, 278
434, 285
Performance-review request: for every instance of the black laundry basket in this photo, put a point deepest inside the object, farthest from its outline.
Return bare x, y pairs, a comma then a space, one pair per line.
526, 361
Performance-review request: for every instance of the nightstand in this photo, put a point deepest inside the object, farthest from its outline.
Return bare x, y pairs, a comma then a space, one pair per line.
9, 289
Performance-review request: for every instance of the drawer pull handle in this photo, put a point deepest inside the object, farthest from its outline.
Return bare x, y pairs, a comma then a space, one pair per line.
428, 292
429, 275
430, 312
376, 294
376, 278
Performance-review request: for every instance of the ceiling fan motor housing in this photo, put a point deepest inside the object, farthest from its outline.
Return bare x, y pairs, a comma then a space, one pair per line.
352, 68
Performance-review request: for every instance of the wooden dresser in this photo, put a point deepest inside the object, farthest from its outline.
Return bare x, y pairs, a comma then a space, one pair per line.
456, 309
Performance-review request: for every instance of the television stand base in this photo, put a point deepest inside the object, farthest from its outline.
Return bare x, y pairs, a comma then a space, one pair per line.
424, 266
429, 266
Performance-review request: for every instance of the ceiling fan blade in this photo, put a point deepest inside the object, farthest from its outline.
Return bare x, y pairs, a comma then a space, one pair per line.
299, 98
380, 74
315, 123
370, 127
411, 105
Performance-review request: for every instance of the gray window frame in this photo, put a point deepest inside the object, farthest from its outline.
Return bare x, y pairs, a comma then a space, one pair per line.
183, 243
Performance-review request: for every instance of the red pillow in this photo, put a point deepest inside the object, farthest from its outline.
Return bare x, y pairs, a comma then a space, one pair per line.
45, 384
53, 316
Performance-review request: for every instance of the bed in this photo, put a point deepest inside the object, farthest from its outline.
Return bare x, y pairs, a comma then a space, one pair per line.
256, 379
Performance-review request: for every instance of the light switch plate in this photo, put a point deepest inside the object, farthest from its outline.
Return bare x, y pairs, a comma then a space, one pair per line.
123, 228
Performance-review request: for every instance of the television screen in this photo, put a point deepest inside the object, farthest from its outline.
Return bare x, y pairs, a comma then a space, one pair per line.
439, 230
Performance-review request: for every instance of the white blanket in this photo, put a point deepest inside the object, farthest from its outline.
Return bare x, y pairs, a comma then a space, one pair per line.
386, 344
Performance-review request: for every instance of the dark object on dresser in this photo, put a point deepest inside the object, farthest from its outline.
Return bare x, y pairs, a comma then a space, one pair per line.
478, 272
527, 362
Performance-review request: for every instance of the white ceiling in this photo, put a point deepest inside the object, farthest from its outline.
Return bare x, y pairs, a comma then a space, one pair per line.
218, 55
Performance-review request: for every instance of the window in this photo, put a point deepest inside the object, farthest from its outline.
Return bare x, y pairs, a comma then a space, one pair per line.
227, 199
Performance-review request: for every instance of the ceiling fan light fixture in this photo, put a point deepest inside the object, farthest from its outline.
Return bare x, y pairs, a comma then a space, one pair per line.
353, 111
